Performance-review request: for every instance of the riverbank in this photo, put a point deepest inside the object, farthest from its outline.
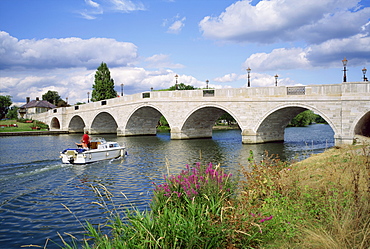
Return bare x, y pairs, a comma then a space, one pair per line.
32, 133
321, 202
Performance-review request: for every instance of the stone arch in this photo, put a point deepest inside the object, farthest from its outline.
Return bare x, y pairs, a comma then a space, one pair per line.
143, 121
103, 122
55, 124
199, 122
362, 125
76, 124
271, 127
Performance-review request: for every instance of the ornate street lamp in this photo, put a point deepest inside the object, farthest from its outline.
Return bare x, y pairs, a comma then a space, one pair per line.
122, 90
207, 83
249, 78
276, 77
344, 61
88, 98
364, 72
176, 76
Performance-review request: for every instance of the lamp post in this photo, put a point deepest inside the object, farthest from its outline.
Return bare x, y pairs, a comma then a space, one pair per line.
207, 83
276, 77
344, 61
121, 90
176, 76
88, 98
364, 72
249, 78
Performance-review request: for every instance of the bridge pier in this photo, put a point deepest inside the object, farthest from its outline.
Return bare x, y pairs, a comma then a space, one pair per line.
136, 131
341, 140
252, 137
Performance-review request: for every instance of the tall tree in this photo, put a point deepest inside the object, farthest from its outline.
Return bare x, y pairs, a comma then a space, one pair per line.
5, 103
52, 97
104, 84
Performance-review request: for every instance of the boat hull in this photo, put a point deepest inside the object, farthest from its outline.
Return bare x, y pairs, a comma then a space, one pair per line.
80, 156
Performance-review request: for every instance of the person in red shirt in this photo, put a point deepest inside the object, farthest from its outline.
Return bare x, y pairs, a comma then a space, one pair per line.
85, 140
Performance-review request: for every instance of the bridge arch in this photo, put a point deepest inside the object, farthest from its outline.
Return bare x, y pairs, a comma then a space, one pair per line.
102, 123
143, 120
55, 124
271, 126
199, 122
76, 124
361, 125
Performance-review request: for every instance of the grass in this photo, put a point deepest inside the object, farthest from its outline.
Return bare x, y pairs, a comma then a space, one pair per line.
22, 126
321, 202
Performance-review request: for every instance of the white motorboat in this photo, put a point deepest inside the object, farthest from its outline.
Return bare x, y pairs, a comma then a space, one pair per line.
99, 150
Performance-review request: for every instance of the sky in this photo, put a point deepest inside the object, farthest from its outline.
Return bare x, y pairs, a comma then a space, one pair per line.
58, 45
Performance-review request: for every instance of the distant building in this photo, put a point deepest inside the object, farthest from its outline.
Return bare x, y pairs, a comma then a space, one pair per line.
34, 106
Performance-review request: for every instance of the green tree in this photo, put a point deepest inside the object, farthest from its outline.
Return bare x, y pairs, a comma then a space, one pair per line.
52, 97
104, 84
181, 86
163, 122
303, 119
12, 112
5, 103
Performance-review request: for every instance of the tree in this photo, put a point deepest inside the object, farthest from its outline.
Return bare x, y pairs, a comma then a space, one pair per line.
303, 119
5, 103
52, 97
12, 112
181, 86
104, 85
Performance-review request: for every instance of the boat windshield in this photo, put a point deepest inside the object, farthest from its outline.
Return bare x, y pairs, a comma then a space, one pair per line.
98, 139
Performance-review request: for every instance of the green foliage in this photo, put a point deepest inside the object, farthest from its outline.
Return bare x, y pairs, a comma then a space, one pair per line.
163, 124
272, 207
320, 120
303, 119
103, 87
181, 86
52, 97
5, 103
12, 112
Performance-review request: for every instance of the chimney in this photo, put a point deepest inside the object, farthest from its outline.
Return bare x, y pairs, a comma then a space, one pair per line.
27, 100
37, 99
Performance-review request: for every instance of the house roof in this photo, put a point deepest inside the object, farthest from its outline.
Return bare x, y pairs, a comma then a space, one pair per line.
38, 103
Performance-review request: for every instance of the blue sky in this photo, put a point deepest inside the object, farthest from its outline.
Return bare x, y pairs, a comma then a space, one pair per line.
57, 45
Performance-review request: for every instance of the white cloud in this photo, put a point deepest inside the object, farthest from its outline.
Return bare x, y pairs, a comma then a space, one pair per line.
227, 78
281, 58
161, 61
286, 20
74, 83
329, 53
64, 53
176, 26
126, 5
99, 7
92, 3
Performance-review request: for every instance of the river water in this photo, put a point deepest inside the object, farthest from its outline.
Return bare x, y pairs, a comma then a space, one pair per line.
41, 198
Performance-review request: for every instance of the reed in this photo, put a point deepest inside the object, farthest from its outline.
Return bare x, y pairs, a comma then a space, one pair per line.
321, 202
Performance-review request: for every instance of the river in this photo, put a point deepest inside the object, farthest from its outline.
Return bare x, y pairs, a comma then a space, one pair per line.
41, 198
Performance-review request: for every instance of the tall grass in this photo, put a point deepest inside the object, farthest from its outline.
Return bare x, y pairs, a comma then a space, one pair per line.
321, 202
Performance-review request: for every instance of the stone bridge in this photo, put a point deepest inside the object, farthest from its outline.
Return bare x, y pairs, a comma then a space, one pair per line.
262, 113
